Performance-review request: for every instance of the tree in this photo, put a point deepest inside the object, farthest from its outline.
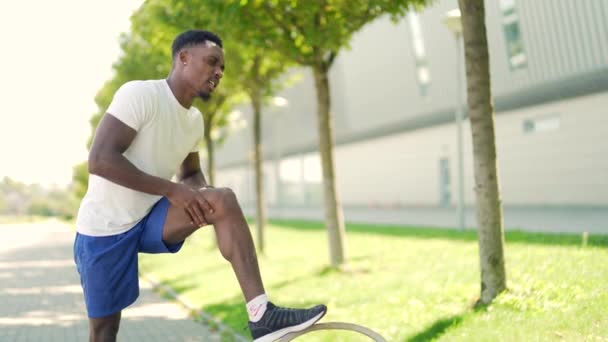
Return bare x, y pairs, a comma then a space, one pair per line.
481, 114
2, 204
216, 117
80, 179
311, 33
258, 73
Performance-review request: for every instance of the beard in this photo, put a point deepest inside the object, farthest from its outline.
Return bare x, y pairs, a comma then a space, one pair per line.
205, 96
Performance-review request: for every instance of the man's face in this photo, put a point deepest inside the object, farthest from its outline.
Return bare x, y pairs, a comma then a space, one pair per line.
204, 68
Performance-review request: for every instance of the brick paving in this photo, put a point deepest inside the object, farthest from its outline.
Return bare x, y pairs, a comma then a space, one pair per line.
41, 298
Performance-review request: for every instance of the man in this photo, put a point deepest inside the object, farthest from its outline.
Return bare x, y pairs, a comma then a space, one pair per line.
149, 132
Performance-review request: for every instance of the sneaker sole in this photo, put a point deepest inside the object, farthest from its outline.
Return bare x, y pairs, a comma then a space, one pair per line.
294, 328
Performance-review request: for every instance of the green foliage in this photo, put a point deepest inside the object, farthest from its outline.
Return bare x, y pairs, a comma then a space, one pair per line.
310, 32
3, 204
80, 179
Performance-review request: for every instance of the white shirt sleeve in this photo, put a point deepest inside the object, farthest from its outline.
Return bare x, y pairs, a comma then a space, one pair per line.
129, 104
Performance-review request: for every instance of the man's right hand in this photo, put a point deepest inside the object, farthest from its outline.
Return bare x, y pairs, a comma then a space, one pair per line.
183, 196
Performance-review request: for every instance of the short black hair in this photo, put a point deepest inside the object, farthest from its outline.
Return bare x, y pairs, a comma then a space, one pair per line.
193, 37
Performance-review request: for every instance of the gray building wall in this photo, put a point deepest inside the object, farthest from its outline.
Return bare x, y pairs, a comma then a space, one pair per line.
556, 165
390, 138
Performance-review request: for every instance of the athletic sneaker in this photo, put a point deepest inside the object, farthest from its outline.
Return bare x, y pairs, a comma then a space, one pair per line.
278, 322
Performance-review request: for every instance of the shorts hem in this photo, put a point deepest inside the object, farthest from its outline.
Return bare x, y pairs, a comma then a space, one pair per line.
118, 308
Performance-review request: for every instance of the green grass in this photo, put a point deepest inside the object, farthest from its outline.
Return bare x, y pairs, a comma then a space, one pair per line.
409, 284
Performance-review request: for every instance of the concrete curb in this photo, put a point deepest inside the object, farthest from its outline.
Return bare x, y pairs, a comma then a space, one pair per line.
206, 318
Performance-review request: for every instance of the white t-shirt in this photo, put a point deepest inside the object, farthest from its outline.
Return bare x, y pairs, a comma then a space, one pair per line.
166, 133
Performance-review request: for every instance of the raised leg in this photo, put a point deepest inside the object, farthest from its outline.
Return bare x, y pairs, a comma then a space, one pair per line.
233, 236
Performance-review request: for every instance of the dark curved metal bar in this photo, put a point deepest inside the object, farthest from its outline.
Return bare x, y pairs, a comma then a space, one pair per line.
336, 326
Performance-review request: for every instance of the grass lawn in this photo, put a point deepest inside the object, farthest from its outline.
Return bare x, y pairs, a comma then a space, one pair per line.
409, 284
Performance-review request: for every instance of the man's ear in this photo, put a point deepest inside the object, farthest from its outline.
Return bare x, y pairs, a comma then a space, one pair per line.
183, 56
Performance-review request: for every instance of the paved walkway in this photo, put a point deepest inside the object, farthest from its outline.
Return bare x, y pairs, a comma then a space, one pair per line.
41, 298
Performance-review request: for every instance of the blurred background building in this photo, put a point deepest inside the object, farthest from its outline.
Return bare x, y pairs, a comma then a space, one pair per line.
394, 95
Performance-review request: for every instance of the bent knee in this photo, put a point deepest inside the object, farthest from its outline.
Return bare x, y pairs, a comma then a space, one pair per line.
228, 198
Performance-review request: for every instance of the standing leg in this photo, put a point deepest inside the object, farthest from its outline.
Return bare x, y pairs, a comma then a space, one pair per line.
104, 329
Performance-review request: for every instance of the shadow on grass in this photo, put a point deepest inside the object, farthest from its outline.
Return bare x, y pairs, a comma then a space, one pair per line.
563, 239
441, 326
436, 329
231, 312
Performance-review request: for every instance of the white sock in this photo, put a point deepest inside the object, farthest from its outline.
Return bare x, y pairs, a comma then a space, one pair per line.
256, 307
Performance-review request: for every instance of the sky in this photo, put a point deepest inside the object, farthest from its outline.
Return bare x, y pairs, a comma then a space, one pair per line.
54, 57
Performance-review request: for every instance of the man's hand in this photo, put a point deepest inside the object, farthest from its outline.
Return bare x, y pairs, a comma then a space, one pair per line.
192, 201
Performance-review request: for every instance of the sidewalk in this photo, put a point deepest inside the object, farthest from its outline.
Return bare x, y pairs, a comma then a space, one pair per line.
41, 298
532, 219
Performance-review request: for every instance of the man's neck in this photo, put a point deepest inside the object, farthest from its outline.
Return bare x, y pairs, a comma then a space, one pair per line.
179, 91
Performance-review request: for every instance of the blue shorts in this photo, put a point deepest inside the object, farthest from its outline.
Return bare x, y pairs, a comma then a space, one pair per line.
108, 264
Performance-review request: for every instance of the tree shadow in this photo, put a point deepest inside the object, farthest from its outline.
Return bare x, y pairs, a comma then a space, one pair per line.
436, 329
231, 312
440, 326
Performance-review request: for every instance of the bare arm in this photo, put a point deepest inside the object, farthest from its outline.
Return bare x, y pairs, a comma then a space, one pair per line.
106, 160
190, 172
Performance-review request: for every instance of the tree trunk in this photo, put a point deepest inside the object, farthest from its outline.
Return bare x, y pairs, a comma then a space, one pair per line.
481, 114
208, 120
210, 149
334, 218
259, 174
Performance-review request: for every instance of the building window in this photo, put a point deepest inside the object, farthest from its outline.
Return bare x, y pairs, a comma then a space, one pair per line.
422, 68
546, 123
515, 45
